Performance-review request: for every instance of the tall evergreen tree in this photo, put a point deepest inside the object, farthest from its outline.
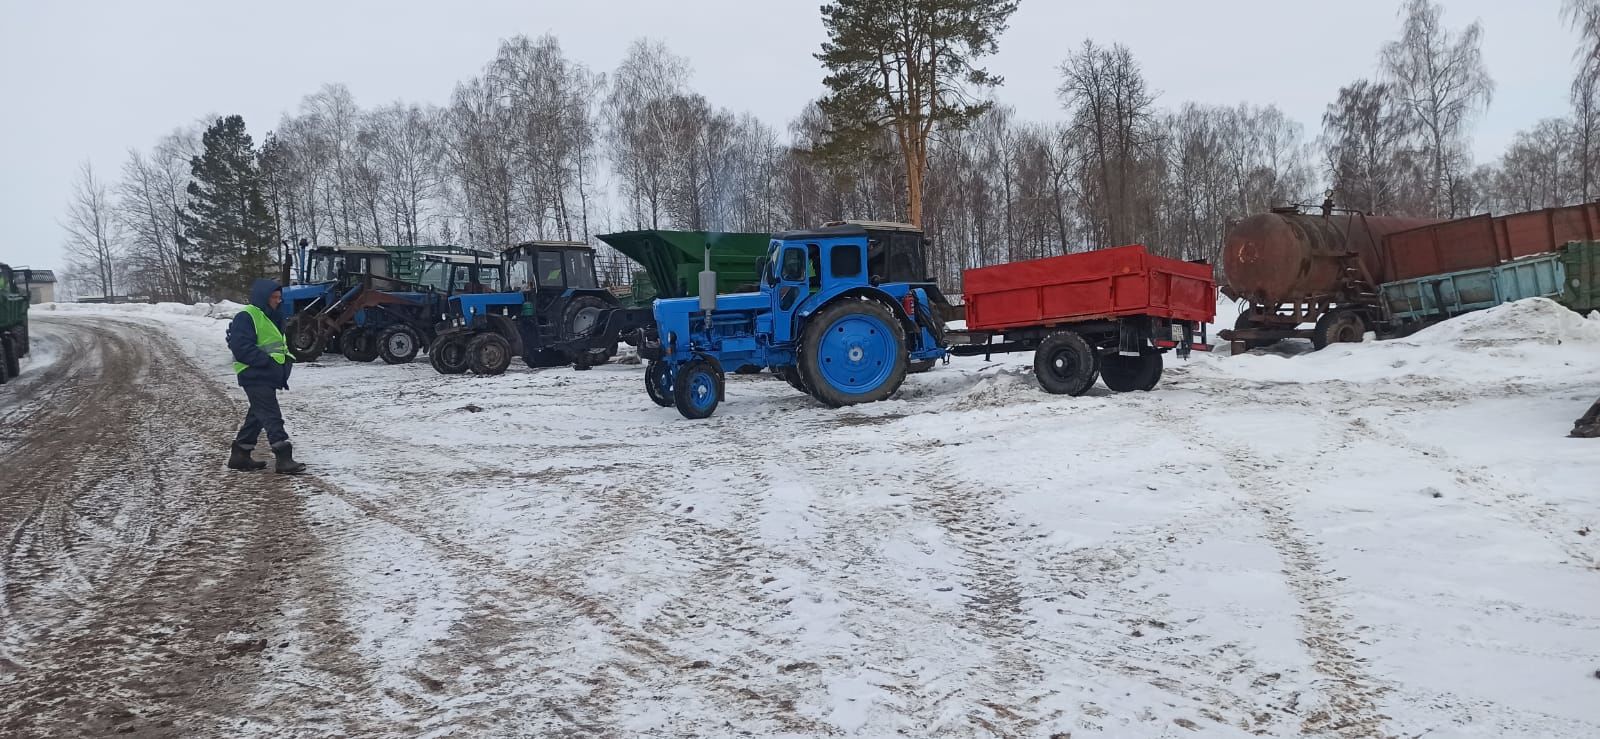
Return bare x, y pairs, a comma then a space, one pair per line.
229, 232
908, 67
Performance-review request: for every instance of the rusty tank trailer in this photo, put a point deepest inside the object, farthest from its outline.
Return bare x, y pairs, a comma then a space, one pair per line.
1297, 266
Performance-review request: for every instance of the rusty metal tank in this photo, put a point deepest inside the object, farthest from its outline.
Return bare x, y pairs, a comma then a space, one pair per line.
1287, 256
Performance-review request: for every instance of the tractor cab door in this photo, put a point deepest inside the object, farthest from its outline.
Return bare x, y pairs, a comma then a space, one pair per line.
790, 273
549, 270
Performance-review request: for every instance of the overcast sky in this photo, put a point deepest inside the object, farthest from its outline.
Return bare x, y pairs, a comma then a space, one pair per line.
87, 80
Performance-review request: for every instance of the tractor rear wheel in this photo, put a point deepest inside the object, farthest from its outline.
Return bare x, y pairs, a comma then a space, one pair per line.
488, 354
854, 351
448, 354
358, 345
13, 355
696, 389
658, 383
1065, 364
791, 375
305, 341
398, 344
1124, 374
5, 360
1339, 326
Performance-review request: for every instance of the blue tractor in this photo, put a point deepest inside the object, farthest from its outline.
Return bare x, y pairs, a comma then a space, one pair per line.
552, 311
843, 313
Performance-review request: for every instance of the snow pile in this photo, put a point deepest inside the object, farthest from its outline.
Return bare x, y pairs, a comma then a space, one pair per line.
224, 309
1529, 340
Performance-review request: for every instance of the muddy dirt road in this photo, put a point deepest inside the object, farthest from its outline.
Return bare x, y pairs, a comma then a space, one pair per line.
141, 580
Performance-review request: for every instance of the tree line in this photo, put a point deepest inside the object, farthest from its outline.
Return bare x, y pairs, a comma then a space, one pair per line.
538, 146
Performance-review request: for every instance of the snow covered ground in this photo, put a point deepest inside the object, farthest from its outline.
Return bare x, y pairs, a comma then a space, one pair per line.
1390, 538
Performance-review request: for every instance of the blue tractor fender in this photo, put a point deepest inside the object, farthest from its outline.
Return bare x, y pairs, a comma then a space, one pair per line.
889, 295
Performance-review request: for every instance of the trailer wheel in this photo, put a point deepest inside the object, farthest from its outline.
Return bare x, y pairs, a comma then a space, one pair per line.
1340, 326
854, 352
488, 354
1124, 374
448, 354
398, 344
358, 345
696, 389
306, 343
1065, 364
658, 382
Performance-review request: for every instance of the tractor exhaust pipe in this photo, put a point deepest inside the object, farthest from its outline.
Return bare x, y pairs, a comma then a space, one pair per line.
708, 289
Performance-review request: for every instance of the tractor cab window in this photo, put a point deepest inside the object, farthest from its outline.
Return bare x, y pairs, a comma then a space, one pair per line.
434, 275
489, 277
580, 269
517, 275
377, 265
896, 256
845, 260
326, 267
548, 269
460, 275
794, 265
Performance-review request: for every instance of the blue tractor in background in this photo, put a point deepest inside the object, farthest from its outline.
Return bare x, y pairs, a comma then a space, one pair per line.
350, 302
843, 313
552, 311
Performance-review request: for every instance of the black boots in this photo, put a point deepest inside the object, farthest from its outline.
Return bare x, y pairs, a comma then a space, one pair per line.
286, 465
239, 458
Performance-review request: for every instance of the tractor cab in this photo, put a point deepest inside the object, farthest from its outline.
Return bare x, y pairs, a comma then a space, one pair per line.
344, 265
459, 273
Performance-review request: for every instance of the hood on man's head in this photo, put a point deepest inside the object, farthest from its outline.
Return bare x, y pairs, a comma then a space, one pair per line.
262, 289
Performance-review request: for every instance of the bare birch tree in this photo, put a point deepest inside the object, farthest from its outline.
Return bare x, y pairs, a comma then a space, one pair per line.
94, 237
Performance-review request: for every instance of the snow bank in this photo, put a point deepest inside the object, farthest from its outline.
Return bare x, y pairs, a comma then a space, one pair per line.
224, 309
1534, 339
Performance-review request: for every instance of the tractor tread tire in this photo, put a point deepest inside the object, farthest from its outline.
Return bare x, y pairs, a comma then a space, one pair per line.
357, 345
1065, 364
1339, 326
657, 374
448, 355
387, 352
294, 330
488, 354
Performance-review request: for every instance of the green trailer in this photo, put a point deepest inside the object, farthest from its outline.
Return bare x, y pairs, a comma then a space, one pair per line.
672, 260
1582, 289
13, 321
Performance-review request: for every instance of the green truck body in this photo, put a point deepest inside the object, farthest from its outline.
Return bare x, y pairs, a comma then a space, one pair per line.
1582, 289
13, 321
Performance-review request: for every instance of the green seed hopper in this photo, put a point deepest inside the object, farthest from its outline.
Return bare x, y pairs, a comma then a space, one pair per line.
673, 259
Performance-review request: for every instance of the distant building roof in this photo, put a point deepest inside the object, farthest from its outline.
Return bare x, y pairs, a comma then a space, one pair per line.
42, 276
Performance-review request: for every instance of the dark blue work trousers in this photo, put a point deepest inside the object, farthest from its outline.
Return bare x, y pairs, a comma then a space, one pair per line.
263, 415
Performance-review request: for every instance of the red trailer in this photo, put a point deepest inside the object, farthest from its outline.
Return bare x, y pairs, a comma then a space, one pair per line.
1108, 313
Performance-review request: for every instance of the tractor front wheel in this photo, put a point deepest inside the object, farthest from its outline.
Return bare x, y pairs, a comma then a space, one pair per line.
658, 383
398, 344
359, 345
488, 354
306, 343
1125, 374
854, 351
1065, 364
448, 354
696, 389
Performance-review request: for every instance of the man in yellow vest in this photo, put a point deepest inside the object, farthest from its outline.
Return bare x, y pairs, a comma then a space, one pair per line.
262, 361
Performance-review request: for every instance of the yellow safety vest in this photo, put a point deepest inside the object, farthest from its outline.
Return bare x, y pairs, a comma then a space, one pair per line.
268, 338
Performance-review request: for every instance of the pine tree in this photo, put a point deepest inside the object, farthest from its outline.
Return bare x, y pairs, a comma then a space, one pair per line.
907, 67
229, 233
